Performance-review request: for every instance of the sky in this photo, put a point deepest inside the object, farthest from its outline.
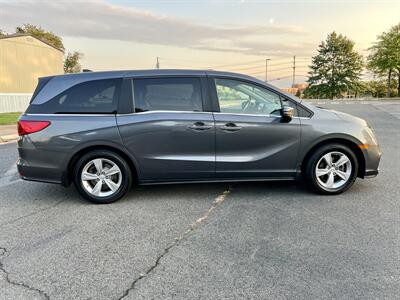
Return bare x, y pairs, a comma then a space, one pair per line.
237, 35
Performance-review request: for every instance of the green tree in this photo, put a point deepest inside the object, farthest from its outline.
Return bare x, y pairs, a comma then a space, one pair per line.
2, 33
377, 88
71, 62
336, 68
384, 58
40, 33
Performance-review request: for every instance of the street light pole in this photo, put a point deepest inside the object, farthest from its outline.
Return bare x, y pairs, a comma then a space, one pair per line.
266, 69
294, 70
157, 64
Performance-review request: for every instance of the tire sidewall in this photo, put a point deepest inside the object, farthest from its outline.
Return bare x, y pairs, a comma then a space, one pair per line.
121, 163
316, 156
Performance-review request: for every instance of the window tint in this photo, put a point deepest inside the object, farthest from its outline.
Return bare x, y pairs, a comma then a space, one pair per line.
240, 97
97, 96
302, 112
173, 94
299, 111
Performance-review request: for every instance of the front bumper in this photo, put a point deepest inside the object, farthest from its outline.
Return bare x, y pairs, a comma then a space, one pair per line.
371, 173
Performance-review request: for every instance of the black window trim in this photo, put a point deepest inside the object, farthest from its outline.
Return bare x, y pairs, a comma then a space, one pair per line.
215, 101
113, 112
298, 104
205, 98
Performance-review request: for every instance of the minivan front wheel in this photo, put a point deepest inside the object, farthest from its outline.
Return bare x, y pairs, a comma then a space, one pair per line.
102, 176
332, 169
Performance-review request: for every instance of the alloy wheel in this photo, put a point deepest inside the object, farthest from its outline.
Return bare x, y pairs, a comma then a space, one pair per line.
333, 170
101, 177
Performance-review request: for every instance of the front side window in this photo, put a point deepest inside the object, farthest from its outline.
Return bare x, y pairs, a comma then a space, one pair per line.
240, 97
97, 96
170, 94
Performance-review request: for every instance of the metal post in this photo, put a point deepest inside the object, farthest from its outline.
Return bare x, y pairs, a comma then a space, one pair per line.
294, 70
266, 69
157, 64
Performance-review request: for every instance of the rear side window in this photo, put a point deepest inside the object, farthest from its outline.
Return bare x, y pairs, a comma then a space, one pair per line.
41, 83
170, 94
97, 96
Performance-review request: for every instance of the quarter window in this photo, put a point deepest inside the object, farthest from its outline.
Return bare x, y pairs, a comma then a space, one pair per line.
170, 94
299, 111
240, 97
97, 96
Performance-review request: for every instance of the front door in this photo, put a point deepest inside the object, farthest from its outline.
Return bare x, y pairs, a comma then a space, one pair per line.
169, 135
251, 140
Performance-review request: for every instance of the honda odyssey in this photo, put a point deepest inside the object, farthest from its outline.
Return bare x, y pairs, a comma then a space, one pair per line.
104, 131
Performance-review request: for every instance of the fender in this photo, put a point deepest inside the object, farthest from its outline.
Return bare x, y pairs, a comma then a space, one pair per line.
98, 144
305, 149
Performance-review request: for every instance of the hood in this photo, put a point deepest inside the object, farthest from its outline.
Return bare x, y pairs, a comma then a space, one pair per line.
337, 114
350, 118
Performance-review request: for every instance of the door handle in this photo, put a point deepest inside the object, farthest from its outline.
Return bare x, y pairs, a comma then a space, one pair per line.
231, 127
199, 126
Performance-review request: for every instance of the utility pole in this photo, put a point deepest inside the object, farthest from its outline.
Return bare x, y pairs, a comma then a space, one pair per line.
294, 70
157, 64
266, 69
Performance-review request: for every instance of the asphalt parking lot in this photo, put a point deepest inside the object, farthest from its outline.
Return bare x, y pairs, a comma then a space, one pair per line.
207, 241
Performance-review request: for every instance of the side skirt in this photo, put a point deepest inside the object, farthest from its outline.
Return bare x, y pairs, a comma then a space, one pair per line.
217, 180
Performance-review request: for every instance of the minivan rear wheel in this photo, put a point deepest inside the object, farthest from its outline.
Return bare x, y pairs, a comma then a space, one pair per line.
102, 176
331, 169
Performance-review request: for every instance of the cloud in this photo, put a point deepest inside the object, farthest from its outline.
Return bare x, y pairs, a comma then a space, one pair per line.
102, 20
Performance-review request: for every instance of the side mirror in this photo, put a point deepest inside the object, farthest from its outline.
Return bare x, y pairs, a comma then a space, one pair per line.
287, 114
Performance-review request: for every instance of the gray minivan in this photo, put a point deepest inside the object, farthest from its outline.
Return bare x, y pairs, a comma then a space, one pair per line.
106, 130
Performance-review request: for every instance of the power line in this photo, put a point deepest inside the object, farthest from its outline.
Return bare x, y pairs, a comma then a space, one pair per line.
285, 77
238, 64
287, 68
187, 60
247, 68
255, 67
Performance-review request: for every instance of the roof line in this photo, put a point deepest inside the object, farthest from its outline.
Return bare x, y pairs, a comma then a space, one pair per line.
14, 35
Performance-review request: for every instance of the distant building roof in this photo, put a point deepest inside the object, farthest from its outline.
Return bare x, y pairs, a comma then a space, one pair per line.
15, 35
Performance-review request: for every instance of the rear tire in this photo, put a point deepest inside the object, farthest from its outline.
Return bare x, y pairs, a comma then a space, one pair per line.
331, 169
102, 176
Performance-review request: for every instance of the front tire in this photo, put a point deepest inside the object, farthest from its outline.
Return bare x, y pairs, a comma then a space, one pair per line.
331, 169
102, 176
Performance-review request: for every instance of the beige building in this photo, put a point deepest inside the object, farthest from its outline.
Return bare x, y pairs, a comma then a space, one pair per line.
23, 59
296, 89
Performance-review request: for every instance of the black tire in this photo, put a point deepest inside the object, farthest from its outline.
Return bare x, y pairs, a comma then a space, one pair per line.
311, 164
126, 174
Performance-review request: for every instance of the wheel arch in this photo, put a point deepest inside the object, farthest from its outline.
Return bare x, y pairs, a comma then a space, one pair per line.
352, 143
67, 176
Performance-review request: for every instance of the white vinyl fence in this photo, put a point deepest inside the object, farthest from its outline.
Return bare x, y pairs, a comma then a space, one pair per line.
14, 102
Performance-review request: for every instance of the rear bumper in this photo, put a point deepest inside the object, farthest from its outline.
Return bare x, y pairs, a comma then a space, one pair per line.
31, 173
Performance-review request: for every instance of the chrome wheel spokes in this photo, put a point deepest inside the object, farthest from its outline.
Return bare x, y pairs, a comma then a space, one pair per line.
101, 177
333, 170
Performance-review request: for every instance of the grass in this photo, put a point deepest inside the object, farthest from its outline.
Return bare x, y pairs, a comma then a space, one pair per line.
9, 118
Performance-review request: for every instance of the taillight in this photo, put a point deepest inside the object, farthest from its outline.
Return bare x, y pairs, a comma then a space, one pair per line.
27, 127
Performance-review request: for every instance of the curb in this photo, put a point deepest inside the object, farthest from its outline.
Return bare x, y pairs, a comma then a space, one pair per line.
8, 138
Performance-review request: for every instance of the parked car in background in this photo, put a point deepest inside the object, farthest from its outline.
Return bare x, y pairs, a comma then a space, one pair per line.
104, 131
